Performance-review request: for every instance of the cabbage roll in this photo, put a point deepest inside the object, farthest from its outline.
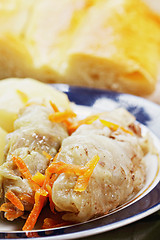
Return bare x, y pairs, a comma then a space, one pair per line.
118, 175
33, 135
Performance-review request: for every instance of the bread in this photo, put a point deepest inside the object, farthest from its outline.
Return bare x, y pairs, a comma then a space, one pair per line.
118, 51
154, 5
104, 44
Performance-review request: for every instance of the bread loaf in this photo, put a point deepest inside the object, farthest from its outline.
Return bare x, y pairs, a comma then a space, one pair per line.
104, 44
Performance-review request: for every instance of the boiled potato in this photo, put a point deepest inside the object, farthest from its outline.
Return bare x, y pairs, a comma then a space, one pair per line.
15, 93
3, 134
7, 119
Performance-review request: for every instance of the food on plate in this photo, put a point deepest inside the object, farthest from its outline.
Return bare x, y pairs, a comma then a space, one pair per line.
103, 44
15, 93
112, 150
33, 134
97, 168
3, 135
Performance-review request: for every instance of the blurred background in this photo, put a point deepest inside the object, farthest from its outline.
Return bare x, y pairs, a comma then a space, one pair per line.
103, 44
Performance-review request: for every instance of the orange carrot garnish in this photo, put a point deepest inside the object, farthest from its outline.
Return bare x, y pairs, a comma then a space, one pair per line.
51, 223
53, 105
61, 167
48, 223
39, 203
32, 234
24, 197
47, 172
87, 120
61, 116
48, 156
83, 180
26, 173
22, 167
68, 123
51, 204
114, 126
14, 200
11, 212
6, 206
52, 179
47, 178
58, 116
23, 96
39, 178
33, 216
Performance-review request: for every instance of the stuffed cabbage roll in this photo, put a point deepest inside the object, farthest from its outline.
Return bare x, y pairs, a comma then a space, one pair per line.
118, 175
34, 134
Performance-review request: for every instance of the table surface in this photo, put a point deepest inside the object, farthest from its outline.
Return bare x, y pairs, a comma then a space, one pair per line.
145, 229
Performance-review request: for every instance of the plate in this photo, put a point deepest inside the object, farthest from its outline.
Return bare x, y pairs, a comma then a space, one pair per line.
145, 203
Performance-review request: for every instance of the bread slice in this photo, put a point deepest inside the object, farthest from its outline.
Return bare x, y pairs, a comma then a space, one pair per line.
50, 34
105, 44
117, 47
37, 48
14, 15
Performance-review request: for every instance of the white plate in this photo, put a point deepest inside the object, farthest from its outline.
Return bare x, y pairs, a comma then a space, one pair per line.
146, 202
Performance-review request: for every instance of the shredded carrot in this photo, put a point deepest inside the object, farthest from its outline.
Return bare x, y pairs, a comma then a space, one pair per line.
83, 180
58, 116
53, 105
39, 178
26, 173
51, 204
52, 179
40, 200
14, 200
114, 126
48, 156
24, 197
23, 96
47, 177
22, 166
47, 172
51, 223
6, 206
33, 216
39, 203
61, 167
87, 120
11, 212
32, 234
68, 123
61, 116
48, 223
